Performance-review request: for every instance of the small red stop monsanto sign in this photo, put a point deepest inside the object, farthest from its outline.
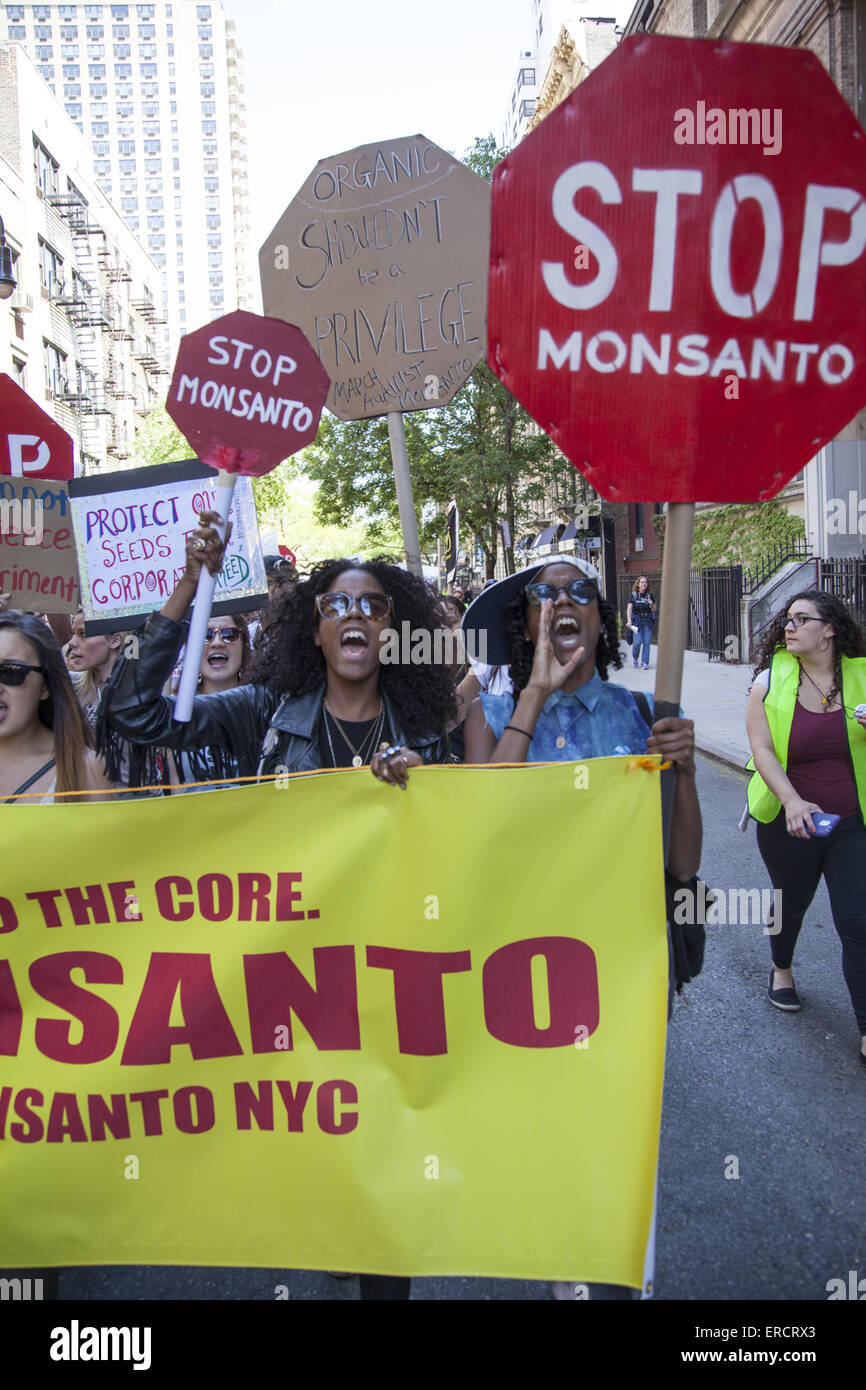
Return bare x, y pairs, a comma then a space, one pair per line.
247, 392
678, 270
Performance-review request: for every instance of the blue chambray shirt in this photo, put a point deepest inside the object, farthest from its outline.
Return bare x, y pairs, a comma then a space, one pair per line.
601, 720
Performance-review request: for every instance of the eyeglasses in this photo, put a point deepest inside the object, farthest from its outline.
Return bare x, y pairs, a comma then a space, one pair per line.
800, 620
16, 672
581, 590
228, 634
336, 606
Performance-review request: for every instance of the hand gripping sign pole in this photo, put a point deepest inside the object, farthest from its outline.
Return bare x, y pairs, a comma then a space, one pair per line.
229, 399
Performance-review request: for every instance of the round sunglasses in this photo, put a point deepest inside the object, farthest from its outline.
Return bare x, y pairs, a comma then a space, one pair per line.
338, 605
580, 590
16, 672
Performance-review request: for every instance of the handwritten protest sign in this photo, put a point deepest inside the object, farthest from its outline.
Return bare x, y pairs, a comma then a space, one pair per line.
381, 258
37, 549
421, 1069
130, 535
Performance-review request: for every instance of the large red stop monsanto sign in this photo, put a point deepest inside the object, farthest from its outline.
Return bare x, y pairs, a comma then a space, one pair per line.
678, 270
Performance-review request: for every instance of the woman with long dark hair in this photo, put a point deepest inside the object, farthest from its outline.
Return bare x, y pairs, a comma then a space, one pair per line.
806, 721
319, 695
45, 739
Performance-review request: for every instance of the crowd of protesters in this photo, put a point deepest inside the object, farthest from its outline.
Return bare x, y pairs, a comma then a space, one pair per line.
302, 686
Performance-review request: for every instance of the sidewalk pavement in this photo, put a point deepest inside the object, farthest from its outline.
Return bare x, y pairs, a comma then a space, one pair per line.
714, 696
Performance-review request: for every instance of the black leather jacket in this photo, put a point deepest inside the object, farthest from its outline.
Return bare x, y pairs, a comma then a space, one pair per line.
255, 728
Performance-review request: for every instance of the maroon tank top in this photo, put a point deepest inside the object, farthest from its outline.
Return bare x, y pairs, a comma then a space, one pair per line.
819, 761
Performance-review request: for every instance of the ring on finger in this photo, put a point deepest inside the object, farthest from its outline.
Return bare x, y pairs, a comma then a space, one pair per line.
391, 753
201, 544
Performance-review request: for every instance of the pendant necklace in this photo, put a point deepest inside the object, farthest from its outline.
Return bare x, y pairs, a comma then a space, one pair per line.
359, 755
831, 693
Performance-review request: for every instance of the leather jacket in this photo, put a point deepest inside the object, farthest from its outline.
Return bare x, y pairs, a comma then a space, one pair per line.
257, 729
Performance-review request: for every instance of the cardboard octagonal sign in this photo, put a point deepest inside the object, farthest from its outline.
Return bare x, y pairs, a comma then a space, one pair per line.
382, 259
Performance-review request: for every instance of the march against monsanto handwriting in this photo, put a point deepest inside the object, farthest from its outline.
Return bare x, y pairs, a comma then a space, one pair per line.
131, 540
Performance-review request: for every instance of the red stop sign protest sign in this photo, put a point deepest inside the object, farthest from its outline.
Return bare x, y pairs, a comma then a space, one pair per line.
247, 392
32, 445
678, 270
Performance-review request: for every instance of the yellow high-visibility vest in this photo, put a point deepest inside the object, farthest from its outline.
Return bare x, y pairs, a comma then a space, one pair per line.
779, 709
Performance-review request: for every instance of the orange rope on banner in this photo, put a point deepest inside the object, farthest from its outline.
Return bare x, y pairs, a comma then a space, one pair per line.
649, 764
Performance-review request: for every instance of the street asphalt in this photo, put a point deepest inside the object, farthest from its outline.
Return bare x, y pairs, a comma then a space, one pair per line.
781, 1094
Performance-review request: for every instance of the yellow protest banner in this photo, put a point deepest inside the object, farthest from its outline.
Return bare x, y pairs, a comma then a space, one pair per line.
332, 1024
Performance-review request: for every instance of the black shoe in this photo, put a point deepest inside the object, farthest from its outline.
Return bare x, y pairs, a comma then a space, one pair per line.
786, 999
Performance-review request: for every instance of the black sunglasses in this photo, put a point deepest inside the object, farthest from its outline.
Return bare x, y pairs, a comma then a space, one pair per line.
228, 634
16, 672
581, 590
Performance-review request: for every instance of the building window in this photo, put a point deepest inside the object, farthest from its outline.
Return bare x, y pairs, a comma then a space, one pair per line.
96, 51
127, 166
147, 70
50, 267
98, 129
42, 13
69, 52
95, 32
154, 205
206, 71
129, 205
97, 71
71, 91
15, 12
205, 32
122, 51
527, 110
122, 70
124, 109
119, 12
205, 51
45, 167
44, 55
92, 12
526, 78
73, 111
101, 148
97, 92
17, 31
152, 147
55, 367
42, 34
126, 147
214, 258
102, 169
123, 91
146, 31
208, 127
207, 89
48, 74
71, 72
120, 32
155, 224
202, 12
212, 222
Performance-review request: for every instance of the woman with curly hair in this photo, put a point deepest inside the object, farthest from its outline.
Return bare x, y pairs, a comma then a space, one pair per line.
559, 637
319, 695
45, 739
806, 721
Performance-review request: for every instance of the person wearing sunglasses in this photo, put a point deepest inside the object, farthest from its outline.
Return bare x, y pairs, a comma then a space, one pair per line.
559, 637
45, 739
225, 657
319, 696
806, 721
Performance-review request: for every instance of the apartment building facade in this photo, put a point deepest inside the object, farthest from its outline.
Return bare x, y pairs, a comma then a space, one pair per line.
157, 90
81, 331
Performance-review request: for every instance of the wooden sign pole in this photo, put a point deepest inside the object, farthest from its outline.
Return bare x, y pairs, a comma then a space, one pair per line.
673, 621
403, 483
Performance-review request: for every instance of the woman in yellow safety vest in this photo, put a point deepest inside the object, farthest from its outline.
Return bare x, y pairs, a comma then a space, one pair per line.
806, 721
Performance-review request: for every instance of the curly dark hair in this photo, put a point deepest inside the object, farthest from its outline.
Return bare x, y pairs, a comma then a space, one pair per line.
292, 664
521, 651
849, 639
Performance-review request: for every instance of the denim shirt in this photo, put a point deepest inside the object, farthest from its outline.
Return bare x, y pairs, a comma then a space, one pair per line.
600, 720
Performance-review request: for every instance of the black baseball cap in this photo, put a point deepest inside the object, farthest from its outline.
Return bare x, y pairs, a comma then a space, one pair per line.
486, 612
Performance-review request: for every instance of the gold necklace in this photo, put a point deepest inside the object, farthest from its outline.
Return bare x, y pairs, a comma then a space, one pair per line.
831, 693
359, 754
